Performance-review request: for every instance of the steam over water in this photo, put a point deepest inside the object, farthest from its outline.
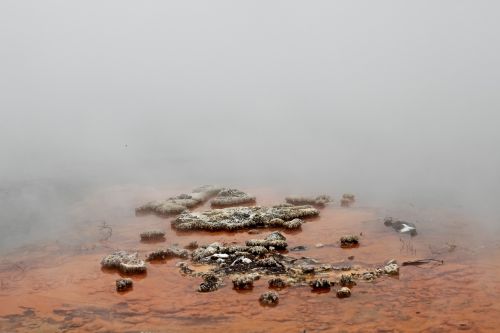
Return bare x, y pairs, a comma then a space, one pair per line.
396, 102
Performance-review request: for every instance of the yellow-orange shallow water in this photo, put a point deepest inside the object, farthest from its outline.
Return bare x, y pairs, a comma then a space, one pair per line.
60, 286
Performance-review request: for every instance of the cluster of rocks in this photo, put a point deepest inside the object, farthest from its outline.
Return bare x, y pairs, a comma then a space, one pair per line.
401, 226
236, 218
245, 264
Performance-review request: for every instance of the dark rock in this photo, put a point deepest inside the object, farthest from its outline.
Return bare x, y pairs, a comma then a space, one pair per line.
298, 248
349, 241
210, 283
124, 284
401, 226
319, 284
277, 283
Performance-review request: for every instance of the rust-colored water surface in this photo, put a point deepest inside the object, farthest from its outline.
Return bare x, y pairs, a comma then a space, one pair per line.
59, 285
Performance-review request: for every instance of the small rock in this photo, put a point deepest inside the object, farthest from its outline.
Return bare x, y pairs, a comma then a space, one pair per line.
391, 269
124, 284
275, 236
244, 282
350, 257
277, 283
293, 224
343, 292
319, 245
269, 298
210, 283
319, 284
347, 280
349, 241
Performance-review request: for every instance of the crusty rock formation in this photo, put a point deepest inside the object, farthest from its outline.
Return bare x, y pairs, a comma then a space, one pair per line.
126, 263
232, 197
178, 204
236, 218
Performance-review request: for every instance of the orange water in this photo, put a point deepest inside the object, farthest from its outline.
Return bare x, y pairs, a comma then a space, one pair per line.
59, 285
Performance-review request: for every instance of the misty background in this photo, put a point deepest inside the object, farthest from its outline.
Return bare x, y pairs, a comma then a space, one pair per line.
392, 100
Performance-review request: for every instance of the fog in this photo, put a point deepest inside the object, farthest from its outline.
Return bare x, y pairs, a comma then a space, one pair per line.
395, 101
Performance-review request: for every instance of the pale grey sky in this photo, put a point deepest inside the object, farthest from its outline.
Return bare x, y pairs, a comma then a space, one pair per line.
375, 97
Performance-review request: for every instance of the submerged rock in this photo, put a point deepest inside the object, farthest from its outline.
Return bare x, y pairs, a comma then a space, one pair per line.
236, 218
298, 248
168, 253
349, 241
178, 204
211, 282
269, 298
153, 235
401, 226
126, 263
347, 200
343, 292
319, 201
124, 284
232, 197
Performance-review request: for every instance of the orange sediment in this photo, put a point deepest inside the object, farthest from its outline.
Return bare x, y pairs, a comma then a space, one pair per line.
61, 286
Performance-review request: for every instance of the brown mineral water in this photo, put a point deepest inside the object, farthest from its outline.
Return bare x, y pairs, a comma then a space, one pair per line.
59, 285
